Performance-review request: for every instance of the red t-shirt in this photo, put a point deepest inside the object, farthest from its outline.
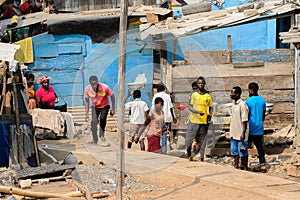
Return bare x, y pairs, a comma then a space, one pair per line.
47, 97
100, 100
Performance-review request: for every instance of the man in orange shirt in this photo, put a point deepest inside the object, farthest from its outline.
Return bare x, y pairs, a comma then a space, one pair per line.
98, 93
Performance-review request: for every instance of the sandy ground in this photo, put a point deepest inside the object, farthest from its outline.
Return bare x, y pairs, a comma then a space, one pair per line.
197, 189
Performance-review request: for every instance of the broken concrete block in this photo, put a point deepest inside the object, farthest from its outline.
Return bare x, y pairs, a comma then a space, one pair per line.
244, 7
25, 184
196, 8
283, 157
292, 171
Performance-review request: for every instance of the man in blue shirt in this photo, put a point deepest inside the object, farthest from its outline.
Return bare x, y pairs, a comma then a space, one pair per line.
257, 108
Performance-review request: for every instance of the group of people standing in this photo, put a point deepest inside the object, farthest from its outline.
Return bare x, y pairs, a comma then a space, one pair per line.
45, 97
154, 123
246, 124
250, 113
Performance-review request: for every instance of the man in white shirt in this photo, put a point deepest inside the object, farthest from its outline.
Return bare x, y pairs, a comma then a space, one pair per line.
169, 115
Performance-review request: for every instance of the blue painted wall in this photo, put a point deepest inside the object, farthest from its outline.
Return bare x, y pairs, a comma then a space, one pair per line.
254, 36
70, 60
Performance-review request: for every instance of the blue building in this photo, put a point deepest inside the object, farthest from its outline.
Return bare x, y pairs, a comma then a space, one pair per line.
70, 59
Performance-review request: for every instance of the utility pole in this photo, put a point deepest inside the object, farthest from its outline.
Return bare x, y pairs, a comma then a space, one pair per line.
121, 83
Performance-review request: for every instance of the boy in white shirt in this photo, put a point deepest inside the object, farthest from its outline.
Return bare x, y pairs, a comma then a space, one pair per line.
138, 111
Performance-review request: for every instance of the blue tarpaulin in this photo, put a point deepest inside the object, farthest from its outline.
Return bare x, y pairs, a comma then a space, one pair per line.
5, 122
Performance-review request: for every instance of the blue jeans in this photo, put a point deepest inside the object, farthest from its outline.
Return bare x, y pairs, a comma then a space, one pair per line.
235, 148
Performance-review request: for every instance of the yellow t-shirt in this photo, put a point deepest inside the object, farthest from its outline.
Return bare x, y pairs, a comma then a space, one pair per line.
200, 102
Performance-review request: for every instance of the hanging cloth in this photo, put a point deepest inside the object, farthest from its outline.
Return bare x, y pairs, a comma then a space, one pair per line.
25, 53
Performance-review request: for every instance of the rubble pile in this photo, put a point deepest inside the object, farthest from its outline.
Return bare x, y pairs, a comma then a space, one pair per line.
105, 177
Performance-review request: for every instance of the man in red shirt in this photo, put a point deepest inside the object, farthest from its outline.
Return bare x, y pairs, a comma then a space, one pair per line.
98, 93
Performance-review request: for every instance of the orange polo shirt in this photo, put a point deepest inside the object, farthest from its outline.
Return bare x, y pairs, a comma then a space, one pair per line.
99, 99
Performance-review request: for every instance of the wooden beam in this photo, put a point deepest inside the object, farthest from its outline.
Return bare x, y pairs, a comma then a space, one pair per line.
121, 82
248, 64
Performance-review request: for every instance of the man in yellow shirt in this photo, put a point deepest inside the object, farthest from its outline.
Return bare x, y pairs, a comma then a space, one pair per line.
200, 106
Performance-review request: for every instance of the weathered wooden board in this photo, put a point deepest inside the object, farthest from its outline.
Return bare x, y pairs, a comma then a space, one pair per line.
67, 62
283, 107
227, 70
208, 57
278, 121
69, 48
226, 83
271, 96
224, 56
46, 52
268, 55
248, 64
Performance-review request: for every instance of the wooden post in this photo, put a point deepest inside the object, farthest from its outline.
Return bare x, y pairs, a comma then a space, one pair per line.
4, 87
16, 102
297, 100
229, 41
297, 92
121, 83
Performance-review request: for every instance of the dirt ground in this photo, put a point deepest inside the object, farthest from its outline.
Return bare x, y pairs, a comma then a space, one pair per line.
99, 176
197, 189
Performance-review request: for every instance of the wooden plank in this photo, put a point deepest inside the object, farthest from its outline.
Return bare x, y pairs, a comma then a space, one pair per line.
152, 18
67, 62
223, 56
208, 57
227, 70
271, 96
69, 48
248, 64
268, 55
278, 121
283, 107
46, 50
226, 83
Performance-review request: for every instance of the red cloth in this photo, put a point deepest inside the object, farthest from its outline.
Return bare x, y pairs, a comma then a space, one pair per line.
25, 8
154, 143
43, 78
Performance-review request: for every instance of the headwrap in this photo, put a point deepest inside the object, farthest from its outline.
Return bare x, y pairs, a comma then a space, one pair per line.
43, 78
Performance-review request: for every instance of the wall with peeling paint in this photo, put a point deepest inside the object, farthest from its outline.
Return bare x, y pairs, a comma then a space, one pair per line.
71, 59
